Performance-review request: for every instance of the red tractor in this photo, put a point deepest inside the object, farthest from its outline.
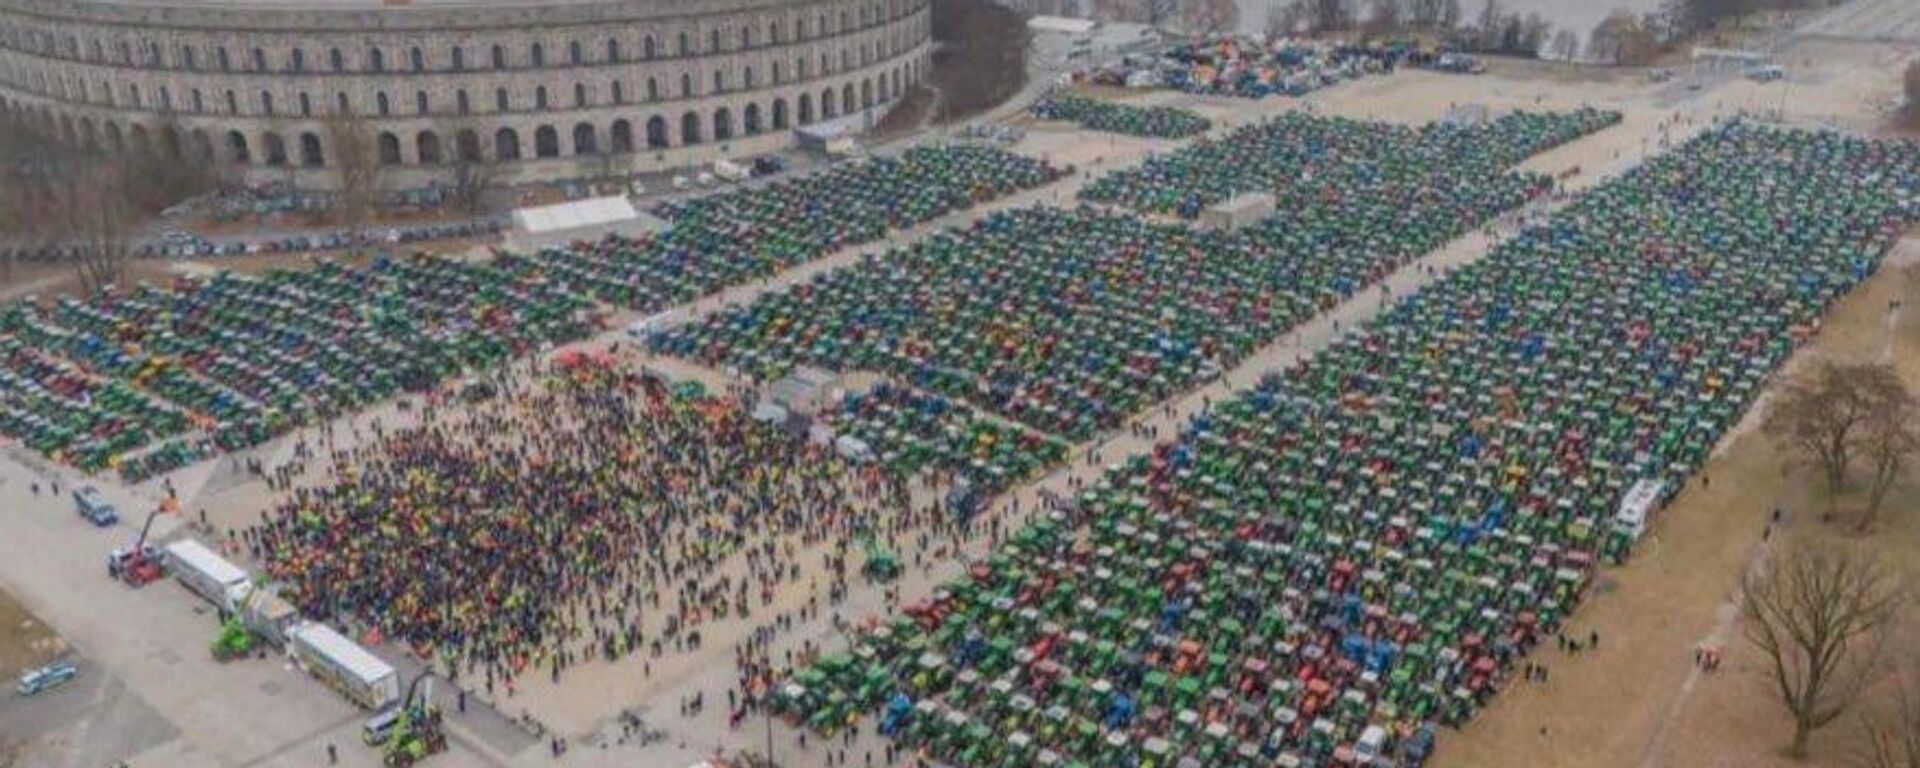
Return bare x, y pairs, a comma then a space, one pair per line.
137, 565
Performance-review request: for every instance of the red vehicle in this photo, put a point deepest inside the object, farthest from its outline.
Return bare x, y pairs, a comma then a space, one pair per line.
137, 565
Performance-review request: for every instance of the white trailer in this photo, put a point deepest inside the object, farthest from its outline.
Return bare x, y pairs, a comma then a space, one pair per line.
344, 666
208, 574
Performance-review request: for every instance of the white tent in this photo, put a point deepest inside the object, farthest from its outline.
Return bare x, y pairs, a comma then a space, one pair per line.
587, 219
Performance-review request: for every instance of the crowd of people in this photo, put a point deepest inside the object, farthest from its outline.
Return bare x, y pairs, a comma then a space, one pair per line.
1378, 536
578, 512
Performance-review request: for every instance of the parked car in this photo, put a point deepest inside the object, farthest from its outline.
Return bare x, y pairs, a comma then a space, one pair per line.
47, 678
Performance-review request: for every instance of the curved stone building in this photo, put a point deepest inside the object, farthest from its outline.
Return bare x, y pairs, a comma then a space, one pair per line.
543, 88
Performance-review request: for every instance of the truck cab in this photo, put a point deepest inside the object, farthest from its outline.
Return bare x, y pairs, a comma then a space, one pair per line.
94, 507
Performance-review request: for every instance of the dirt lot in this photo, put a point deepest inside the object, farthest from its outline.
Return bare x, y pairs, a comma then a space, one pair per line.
24, 641
1638, 701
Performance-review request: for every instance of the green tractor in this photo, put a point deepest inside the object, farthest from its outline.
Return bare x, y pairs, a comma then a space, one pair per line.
235, 641
417, 733
881, 563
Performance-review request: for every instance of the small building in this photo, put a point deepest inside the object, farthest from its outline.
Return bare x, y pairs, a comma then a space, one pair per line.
589, 219
1237, 212
805, 391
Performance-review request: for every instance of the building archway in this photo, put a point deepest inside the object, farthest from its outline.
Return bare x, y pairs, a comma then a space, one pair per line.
586, 141
237, 148
722, 124
657, 136
389, 148
466, 145
546, 142
310, 154
690, 129
620, 137
750, 119
779, 114
274, 148
806, 109
506, 144
426, 148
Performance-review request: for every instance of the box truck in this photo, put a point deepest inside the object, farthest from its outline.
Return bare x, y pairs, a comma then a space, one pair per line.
344, 666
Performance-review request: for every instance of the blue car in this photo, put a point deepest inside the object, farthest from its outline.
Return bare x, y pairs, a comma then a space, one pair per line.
47, 678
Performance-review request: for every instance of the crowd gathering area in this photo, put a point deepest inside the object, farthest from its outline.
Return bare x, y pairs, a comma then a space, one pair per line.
578, 511
1367, 544
1329, 563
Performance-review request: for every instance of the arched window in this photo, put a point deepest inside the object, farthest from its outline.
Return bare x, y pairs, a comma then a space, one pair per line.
226, 65
418, 59
537, 55
233, 103
506, 144
237, 148
297, 61
585, 140
620, 137
266, 103
574, 55
426, 148
653, 89
546, 142
336, 60
686, 86
686, 45
579, 95
389, 148
466, 145
646, 48
746, 78
310, 155
199, 104
719, 81
613, 50
657, 136
500, 100
619, 93
540, 97
192, 61
713, 41
342, 105
690, 128
306, 105
275, 148
381, 106
376, 61
722, 124
420, 102
459, 58
259, 60
500, 60
461, 103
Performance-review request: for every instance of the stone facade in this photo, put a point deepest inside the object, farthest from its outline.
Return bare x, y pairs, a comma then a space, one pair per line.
542, 89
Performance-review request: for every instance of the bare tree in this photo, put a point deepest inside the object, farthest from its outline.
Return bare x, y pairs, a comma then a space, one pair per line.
1823, 416
1820, 614
1891, 439
1890, 738
1385, 17
1330, 15
1449, 14
1622, 40
356, 167
1566, 45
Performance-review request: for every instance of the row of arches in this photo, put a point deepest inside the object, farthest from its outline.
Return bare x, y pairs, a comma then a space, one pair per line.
506, 143
462, 100
723, 37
